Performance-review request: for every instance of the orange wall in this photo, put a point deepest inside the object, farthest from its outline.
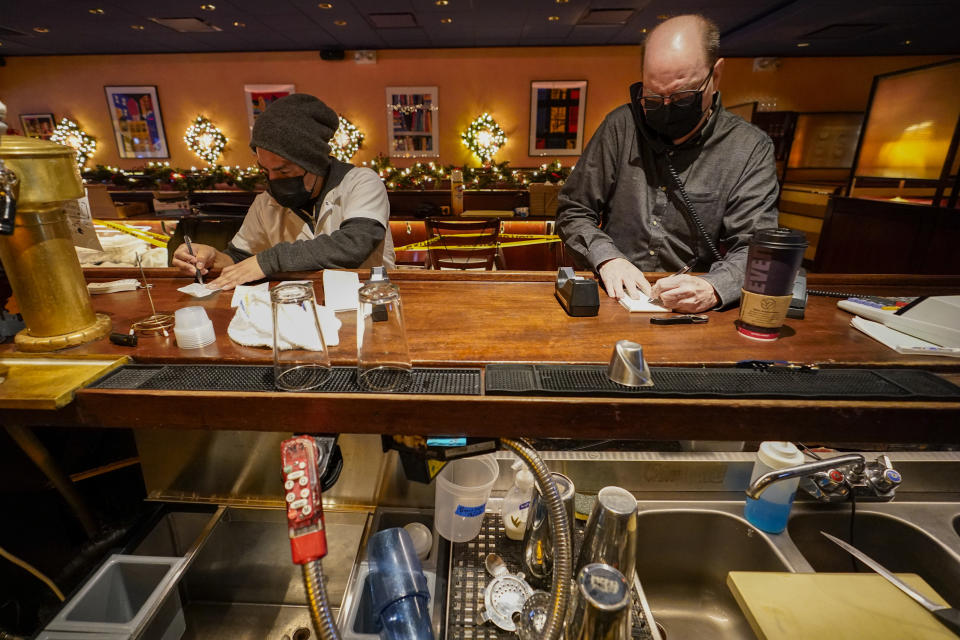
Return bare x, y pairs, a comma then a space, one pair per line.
470, 81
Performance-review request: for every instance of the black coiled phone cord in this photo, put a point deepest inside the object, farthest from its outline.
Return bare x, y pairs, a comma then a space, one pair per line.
693, 212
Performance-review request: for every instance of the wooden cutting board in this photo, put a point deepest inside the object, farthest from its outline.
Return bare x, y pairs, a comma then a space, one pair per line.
834, 606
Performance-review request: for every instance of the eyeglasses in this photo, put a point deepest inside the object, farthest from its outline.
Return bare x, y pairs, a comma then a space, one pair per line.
680, 98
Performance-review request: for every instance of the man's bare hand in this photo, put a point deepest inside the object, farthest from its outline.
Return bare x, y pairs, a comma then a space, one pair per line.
621, 279
689, 294
241, 273
204, 257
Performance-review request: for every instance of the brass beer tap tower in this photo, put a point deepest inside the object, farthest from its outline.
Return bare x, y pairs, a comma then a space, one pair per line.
36, 178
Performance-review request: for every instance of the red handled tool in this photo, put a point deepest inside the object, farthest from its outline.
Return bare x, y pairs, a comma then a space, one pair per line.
301, 487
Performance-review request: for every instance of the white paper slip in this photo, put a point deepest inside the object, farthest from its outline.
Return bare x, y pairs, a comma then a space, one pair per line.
197, 290
642, 305
340, 290
901, 342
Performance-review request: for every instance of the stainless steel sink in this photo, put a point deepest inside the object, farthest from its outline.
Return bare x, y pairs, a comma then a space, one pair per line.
897, 538
684, 552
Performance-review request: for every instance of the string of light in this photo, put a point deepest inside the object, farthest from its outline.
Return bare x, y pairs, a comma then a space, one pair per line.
410, 108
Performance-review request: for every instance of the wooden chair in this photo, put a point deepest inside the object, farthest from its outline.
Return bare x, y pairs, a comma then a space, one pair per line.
463, 244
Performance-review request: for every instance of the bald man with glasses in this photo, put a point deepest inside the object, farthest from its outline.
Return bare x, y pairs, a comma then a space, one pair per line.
672, 181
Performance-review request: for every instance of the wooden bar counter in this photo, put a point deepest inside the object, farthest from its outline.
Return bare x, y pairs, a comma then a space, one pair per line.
477, 318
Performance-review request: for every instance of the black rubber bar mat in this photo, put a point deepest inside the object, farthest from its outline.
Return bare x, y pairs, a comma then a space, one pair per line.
469, 577
672, 382
202, 377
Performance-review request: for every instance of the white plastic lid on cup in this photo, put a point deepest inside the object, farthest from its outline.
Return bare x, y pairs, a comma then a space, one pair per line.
463, 488
193, 328
779, 455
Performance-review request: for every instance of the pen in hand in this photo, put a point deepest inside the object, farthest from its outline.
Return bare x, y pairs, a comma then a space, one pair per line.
684, 269
186, 240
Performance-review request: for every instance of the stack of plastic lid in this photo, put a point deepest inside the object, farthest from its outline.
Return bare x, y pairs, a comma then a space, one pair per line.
193, 328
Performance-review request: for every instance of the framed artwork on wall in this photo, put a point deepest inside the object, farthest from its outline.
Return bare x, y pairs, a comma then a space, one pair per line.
412, 122
556, 117
37, 125
259, 97
137, 123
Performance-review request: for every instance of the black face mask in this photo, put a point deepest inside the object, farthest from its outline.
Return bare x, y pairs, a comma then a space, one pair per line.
289, 192
673, 121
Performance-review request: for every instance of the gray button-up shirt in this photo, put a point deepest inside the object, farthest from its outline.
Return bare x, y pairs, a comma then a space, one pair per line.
620, 201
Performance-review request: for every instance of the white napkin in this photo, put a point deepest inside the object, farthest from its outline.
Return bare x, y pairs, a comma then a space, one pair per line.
252, 324
197, 290
242, 291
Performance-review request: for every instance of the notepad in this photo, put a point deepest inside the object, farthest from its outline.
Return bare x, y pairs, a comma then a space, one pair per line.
641, 306
899, 341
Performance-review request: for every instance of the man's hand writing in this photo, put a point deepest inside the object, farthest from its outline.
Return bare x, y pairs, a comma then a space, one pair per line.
689, 294
203, 258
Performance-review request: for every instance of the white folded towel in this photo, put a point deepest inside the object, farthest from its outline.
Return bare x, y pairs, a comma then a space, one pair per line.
252, 324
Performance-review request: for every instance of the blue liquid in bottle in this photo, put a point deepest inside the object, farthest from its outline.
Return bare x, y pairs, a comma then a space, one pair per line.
767, 515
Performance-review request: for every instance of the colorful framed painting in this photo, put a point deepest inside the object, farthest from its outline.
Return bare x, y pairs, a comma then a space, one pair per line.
259, 97
412, 122
37, 125
556, 117
137, 123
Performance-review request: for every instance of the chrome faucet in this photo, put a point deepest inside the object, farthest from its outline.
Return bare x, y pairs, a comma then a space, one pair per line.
832, 479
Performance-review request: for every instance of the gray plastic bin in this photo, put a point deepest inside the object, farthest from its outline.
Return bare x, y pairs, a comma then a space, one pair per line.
122, 594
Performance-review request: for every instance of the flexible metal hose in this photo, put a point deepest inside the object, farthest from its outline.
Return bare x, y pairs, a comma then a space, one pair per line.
323, 622
562, 540
326, 627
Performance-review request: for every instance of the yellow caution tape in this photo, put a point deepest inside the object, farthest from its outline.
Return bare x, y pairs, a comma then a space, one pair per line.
150, 237
521, 240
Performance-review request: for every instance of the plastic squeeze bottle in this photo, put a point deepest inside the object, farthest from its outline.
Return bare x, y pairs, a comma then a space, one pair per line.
770, 512
516, 504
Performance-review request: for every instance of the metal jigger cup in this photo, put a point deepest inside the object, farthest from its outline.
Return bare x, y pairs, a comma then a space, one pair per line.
611, 533
538, 536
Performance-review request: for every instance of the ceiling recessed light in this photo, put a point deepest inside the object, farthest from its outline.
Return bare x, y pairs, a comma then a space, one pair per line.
340, 23
138, 27
208, 7
803, 44
907, 42
96, 12
442, 3
446, 20
325, 5
41, 29
562, 1
553, 18
644, 30
238, 24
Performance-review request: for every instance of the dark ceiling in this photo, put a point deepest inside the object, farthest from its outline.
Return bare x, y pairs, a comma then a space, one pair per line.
749, 27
